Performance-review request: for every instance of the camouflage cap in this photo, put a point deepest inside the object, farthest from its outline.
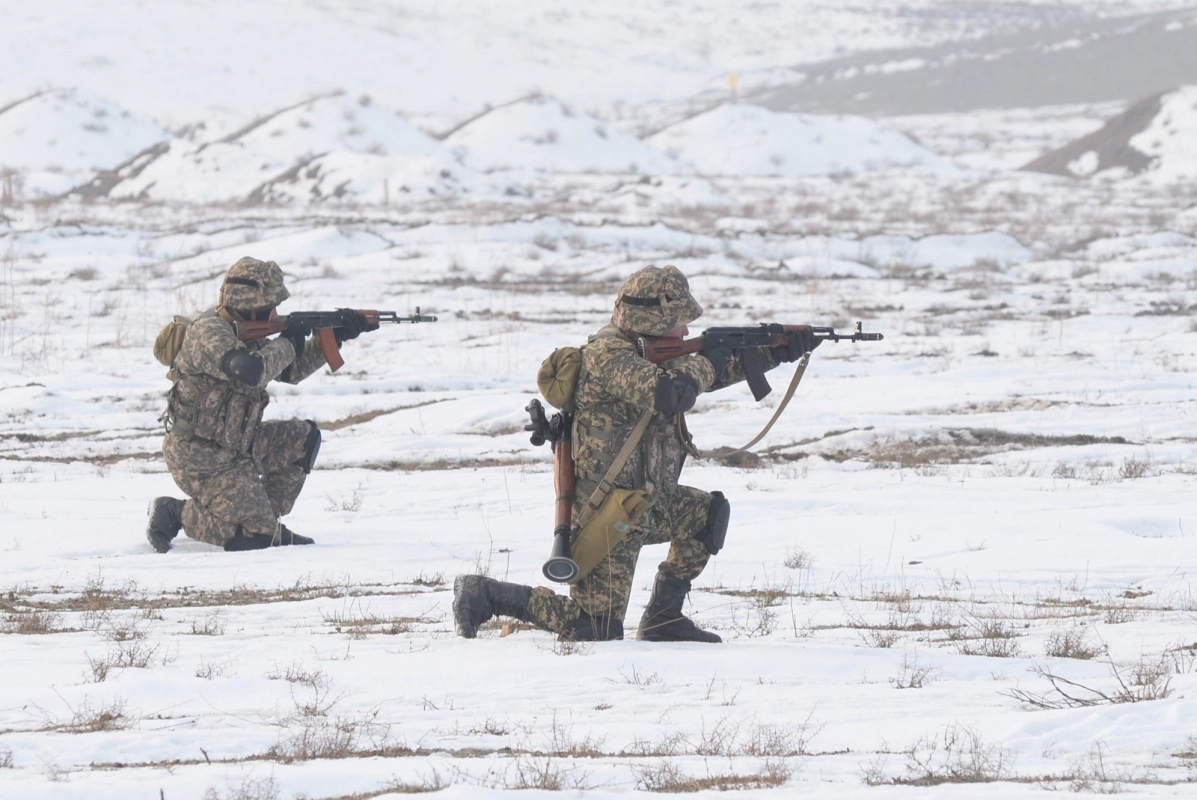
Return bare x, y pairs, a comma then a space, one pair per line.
654, 301
251, 285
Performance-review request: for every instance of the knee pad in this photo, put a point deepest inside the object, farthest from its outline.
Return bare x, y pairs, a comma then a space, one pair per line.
714, 533
310, 448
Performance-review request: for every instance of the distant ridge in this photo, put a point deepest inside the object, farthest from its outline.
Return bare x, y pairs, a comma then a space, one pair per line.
1110, 144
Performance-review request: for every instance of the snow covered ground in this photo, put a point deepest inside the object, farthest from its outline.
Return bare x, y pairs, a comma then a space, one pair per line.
957, 567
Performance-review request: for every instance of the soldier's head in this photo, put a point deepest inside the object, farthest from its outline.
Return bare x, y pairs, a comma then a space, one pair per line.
253, 288
654, 301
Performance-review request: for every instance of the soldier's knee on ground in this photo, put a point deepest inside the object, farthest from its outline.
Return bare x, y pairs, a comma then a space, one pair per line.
714, 533
311, 448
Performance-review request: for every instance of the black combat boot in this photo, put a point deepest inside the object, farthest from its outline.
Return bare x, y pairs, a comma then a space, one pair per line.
166, 520
248, 541
477, 598
288, 537
663, 620
260, 541
592, 629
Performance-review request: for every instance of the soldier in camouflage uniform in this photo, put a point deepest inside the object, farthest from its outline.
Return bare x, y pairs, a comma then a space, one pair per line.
240, 473
614, 389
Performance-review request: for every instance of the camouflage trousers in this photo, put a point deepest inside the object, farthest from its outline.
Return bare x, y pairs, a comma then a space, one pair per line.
675, 518
232, 492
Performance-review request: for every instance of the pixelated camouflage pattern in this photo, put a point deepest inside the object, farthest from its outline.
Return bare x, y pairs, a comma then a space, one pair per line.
676, 517
239, 471
231, 492
615, 388
268, 293
667, 285
206, 402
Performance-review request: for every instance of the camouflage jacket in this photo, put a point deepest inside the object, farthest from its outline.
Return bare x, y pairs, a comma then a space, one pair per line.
206, 402
614, 389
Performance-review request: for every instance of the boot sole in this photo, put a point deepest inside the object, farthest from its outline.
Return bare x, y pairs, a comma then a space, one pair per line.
458, 590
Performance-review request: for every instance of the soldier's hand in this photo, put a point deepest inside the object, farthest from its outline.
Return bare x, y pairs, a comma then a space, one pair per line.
296, 333
355, 323
798, 343
719, 358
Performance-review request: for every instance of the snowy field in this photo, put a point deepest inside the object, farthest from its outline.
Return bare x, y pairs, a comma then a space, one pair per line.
959, 566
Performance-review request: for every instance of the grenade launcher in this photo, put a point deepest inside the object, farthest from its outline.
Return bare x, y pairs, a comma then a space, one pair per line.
556, 431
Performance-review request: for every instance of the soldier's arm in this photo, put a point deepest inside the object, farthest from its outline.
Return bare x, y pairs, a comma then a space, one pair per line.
733, 372
668, 388
216, 350
304, 366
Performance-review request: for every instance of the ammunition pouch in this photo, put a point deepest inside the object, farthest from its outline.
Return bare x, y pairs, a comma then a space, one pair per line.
216, 411
714, 533
311, 448
607, 528
179, 417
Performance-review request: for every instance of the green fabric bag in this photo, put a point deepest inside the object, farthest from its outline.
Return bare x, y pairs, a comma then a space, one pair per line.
558, 377
607, 528
170, 342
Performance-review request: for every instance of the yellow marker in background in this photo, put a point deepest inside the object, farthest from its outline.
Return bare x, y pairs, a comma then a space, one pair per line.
732, 80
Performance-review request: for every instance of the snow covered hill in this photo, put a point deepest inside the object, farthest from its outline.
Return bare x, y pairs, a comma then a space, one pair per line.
1155, 137
544, 134
750, 140
54, 140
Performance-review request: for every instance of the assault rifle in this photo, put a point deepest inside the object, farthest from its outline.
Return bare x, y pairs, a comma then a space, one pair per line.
556, 431
745, 340
324, 323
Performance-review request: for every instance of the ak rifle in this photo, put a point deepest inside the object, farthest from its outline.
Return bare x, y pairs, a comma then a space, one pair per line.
325, 324
744, 341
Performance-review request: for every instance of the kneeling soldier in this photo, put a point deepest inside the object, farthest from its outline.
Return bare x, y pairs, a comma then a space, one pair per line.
240, 473
615, 389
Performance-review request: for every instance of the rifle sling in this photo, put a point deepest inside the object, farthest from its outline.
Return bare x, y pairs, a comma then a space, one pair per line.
794, 381
599, 496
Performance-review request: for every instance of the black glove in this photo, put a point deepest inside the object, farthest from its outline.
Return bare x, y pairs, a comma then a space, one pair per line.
797, 344
355, 323
297, 333
719, 358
